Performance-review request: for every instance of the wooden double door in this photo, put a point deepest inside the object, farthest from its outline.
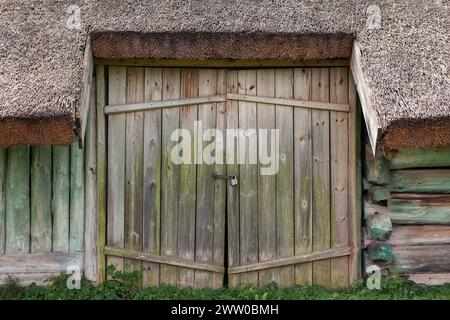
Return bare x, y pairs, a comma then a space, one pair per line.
189, 224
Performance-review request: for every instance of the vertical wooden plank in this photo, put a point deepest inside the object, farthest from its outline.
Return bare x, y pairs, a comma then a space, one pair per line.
101, 171
61, 198
134, 167
2, 199
76, 229
220, 186
18, 200
170, 177
339, 175
152, 176
116, 165
285, 178
266, 183
41, 199
248, 178
91, 206
355, 182
205, 183
321, 175
187, 191
302, 175
233, 218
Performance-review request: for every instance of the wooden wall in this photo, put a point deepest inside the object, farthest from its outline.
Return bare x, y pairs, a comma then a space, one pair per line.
407, 209
41, 203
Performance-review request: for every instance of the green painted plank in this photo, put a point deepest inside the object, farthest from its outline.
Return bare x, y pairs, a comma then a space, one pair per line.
376, 168
285, 176
321, 177
420, 181
18, 200
421, 259
379, 226
377, 194
134, 167
152, 176
188, 173
2, 199
61, 198
266, 183
41, 199
420, 158
419, 209
76, 220
303, 175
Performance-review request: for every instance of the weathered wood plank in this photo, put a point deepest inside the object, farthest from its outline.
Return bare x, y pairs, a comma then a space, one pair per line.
248, 178
166, 261
41, 199
166, 104
266, 183
420, 235
430, 279
376, 168
116, 165
76, 220
152, 176
303, 176
18, 200
170, 177
233, 192
134, 167
380, 251
86, 90
419, 208
220, 186
101, 171
290, 102
39, 262
314, 256
321, 178
420, 181
204, 242
2, 199
421, 259
339, 157
188, 184
420, 158
284, 79
91, 204
61, 198
355, 182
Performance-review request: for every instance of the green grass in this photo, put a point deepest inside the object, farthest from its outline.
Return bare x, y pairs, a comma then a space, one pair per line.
124, 286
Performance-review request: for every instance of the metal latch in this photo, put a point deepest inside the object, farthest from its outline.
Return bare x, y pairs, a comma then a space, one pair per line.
233, 179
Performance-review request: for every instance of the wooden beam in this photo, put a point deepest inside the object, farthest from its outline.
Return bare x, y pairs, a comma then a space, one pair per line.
153, 105
309, 257
379, 226
420, 181
88, 68
290, 102
376, 168
39, 262
2, 199
420, 158
172, 261
377, 194
406, 208
420, 235
372, 121
223, 63
380, 251
430, 279
421, 259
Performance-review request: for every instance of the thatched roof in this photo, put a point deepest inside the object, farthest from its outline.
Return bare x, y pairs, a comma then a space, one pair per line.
405, 64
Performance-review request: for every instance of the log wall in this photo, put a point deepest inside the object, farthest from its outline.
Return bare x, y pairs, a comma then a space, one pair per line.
407, 213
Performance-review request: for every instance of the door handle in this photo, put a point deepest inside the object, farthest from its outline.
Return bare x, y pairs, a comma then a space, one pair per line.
232, 179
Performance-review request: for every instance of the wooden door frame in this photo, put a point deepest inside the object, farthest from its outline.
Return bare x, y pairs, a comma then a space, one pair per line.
355, 177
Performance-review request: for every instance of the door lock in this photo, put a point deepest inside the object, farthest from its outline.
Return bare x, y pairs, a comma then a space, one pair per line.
232, 179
